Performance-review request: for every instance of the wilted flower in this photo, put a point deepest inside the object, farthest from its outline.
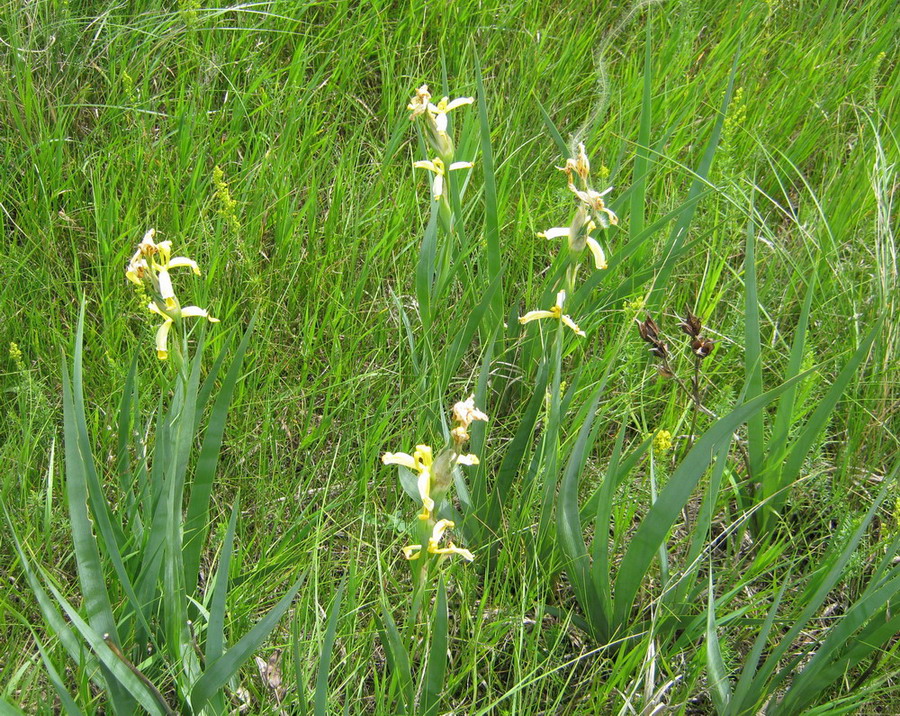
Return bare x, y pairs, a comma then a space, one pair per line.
433, 547
555, 312
650, 335
690, 324
702, 347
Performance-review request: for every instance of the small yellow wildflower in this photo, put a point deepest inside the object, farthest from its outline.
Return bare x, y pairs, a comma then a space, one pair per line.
414, 551
662, 442
421, 462
555, 312
436, 166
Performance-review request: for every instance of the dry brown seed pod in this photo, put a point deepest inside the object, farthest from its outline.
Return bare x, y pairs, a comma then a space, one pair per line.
648, 329
702, 347
690, 324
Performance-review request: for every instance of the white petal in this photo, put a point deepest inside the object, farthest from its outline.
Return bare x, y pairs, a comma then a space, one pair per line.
440, 121
467, 460
461, 165
556, 233
560, 298
183, 261
197, 312
458, 102
165, 285
438, 187
399, 458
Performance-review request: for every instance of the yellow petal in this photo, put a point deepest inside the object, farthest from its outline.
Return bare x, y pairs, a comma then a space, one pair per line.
424, 484
536, 315
197, 312
183, 261
413, 551
571, 324
162, 339
399, 458
597, 251
426, 164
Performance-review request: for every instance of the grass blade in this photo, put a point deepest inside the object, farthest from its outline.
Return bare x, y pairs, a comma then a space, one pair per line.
719, 690
491, 214
197, 520
320, 705
436, 669
398, 659
662, 515
219, 672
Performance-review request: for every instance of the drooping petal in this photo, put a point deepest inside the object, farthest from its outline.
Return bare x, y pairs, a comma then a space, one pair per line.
460, 165
440, 527
165, 286
162, 339
197, 312
183, 261
597, 251
424, 485
458, 102
412, 552
571, 324
557, 232
467, 460
427, 164
536, 315
399, 458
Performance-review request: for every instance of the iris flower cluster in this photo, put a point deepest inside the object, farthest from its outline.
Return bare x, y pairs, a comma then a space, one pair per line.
149, 268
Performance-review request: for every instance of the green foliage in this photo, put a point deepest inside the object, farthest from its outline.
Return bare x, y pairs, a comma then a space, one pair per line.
609, 575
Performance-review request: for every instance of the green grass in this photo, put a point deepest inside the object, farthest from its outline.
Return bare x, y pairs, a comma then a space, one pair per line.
115, 117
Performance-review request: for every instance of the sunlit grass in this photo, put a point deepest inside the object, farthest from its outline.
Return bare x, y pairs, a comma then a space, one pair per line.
116, 121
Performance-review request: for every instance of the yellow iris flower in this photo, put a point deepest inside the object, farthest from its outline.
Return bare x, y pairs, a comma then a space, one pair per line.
436, 166
157, 259
422, 104
420, 461
414, 551
162, 333
555, 312
594, 247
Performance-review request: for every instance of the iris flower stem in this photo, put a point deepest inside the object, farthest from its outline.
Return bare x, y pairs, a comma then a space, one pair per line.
551, 442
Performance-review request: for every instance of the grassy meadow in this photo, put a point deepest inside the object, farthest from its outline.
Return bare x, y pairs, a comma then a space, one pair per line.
664, 518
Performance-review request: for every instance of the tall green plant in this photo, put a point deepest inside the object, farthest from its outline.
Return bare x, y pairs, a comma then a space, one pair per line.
148, 632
